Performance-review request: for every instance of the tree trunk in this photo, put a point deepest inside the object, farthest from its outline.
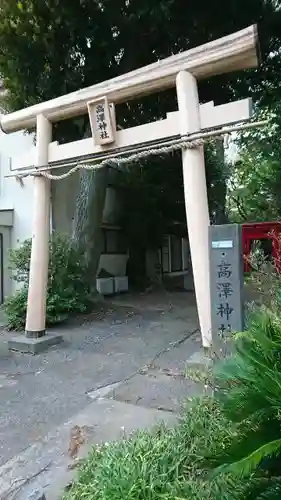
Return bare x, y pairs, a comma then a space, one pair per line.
136, 269
88, 217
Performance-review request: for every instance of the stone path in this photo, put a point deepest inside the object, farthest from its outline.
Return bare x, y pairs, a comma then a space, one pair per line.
122, 368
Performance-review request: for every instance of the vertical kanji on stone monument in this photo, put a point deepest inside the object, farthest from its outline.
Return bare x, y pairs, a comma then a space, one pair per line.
226, 273
224, 291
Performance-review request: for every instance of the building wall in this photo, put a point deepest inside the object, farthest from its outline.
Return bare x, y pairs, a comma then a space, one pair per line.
175, 257
15, 202
174, 262
13, 195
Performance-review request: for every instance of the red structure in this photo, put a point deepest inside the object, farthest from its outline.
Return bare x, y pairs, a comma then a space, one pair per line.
262, 231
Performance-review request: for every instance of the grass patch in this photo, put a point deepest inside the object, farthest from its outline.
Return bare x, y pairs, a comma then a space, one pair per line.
163, 464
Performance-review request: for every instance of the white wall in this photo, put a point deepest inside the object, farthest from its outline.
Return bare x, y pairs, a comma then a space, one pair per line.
18, 197
13, 195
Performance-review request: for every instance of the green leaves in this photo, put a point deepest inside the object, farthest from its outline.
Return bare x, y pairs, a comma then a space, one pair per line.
68, 289
248, 464
249, 393
251, 380
101, 35
254, 187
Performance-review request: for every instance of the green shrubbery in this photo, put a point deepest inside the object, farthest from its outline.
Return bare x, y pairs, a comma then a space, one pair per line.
249, 395
249, 390
68, 282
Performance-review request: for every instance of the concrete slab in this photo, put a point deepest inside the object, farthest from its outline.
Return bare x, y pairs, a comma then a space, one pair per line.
199, 359
163, 390
103, 392
28, 345
47, 466
176, 357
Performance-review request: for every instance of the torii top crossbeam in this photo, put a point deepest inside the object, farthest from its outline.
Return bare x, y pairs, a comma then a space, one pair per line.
231, 53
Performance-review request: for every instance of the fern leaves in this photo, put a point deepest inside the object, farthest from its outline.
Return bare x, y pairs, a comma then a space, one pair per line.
248, 464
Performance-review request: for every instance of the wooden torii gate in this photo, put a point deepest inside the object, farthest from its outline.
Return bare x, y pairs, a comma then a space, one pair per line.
237, 51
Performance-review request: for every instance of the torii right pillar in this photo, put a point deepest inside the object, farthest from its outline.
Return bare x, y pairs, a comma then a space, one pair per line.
196, 200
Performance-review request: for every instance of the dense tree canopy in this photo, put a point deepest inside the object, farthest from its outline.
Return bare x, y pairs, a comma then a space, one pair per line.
254, 183
51, 47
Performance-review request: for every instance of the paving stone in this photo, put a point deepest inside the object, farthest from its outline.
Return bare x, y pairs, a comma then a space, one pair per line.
157, 389
199, 360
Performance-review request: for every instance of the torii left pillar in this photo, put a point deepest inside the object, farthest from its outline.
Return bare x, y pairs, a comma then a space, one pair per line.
35, 339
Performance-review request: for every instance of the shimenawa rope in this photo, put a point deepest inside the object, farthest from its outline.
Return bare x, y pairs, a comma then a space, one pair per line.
128, 159
117, 161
